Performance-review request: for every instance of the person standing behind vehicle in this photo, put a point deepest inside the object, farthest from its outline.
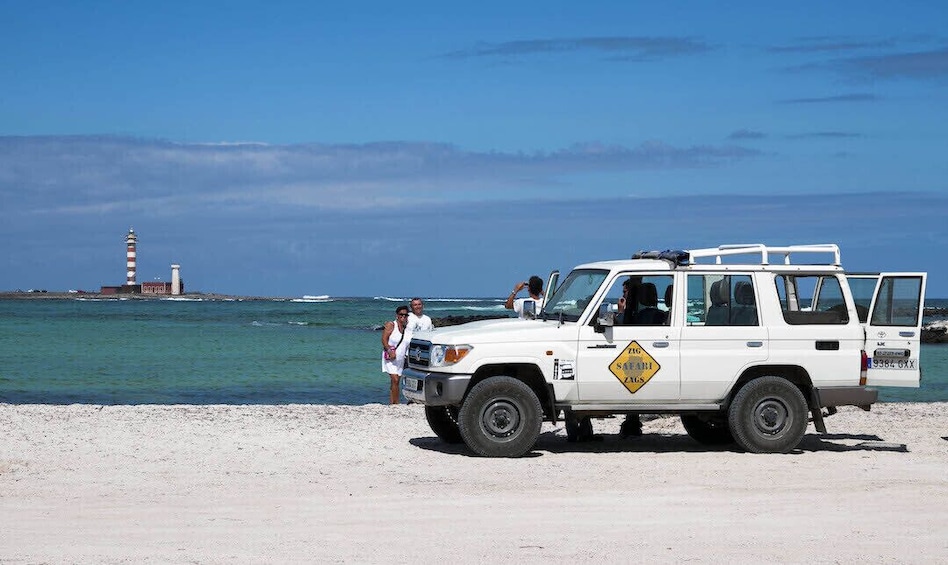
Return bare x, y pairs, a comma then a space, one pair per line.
534, 287
418, 321
394, 346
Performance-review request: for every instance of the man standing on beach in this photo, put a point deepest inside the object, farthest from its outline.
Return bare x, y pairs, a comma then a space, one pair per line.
417, 320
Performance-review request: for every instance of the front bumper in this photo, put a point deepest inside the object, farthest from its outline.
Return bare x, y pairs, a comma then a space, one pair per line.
434, 389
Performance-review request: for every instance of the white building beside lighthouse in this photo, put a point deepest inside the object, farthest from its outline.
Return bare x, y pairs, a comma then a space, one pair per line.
175, 280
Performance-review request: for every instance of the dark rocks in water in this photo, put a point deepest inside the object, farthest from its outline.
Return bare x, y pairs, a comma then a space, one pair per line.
453, 320
457, 320
936, 332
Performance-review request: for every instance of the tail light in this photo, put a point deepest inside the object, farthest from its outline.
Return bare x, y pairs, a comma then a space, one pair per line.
864, 366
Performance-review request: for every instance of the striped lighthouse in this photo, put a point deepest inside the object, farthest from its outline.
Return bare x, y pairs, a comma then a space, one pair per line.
130, 241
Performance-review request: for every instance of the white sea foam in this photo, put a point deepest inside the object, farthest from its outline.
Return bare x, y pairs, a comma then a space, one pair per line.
259, 324
313, 298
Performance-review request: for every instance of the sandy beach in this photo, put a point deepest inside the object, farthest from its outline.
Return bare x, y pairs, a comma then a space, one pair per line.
371, 484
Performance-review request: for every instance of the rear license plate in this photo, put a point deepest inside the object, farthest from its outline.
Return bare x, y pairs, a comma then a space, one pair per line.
411, 384
903, 364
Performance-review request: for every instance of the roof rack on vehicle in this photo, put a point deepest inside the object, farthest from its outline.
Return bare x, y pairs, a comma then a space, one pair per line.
765, 251
674, 256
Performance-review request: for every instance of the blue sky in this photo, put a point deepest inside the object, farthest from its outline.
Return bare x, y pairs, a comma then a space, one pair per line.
422, 148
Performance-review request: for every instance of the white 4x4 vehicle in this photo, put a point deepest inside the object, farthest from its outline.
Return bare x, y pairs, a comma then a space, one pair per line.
742, 342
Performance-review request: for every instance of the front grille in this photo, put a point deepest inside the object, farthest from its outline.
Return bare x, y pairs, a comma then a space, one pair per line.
419, 353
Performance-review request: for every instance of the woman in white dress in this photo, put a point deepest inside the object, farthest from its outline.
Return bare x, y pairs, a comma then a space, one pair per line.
394, 346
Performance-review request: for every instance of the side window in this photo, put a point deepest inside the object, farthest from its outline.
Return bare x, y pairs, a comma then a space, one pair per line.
863, 287
640, 300
811, 299
897, 302
722, 300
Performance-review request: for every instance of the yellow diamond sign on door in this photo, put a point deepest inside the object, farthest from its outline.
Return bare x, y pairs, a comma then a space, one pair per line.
634, 367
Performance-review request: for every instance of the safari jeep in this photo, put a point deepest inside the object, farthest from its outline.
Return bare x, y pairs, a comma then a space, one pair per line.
746, 343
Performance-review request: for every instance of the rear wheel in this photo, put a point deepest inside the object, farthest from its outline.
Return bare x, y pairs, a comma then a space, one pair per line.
444, 423
707, 429
500, 417
768, 415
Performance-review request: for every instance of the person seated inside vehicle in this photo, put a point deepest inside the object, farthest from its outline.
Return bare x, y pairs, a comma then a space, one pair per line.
669, 294
627, 304
650, 314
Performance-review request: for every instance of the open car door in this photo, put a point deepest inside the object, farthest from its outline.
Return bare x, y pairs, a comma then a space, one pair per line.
551, 286
893, 330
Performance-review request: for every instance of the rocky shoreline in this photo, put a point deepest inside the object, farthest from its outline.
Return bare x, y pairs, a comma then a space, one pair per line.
458, 320
19, 295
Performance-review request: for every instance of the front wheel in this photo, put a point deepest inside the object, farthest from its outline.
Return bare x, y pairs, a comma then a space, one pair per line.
444, 423
500, 417
768, 415
707, 429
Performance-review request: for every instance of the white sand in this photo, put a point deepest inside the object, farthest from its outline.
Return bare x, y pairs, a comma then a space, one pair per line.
279, 484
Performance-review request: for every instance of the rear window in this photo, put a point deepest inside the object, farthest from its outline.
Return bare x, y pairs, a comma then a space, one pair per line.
897, 303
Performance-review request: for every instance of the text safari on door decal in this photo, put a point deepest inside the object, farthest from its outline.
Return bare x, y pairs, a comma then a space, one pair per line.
634, 367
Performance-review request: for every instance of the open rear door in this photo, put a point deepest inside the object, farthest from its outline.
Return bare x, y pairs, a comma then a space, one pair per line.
893, 331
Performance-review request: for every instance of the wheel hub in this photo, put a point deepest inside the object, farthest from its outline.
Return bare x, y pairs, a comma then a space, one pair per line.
501, 418
771, 416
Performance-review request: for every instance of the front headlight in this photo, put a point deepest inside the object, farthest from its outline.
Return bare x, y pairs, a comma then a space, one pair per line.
447, 355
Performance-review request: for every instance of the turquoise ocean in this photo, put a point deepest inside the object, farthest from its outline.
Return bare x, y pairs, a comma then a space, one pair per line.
203, 351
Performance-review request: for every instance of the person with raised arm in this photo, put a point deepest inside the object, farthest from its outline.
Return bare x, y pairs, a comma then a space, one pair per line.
534, 288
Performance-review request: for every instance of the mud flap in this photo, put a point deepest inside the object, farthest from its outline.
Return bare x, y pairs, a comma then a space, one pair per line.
817, 412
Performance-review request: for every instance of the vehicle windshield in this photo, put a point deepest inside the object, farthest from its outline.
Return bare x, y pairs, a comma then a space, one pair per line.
572, 297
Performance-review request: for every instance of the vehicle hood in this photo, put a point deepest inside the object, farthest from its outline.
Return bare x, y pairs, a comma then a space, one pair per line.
501, 330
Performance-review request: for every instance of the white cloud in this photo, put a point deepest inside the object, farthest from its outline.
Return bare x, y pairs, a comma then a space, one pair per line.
99, 174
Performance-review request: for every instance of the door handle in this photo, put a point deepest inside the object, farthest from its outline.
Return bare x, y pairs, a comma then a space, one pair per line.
660, 344
906, 334
755, 344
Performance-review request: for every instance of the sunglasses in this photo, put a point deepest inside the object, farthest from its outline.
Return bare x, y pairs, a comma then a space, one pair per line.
403, 315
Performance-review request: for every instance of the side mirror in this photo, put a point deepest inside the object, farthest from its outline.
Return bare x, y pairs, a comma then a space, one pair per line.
605, 318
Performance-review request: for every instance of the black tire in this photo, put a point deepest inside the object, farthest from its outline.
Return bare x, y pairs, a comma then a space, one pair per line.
768, 415
444, 423
500, 417
707, 429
